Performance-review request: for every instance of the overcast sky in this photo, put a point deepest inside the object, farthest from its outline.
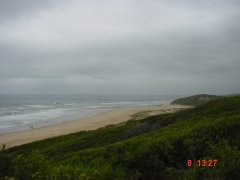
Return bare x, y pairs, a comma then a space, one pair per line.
120, 46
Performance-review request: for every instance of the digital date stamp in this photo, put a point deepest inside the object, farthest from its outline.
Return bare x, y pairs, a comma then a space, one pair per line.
203, 163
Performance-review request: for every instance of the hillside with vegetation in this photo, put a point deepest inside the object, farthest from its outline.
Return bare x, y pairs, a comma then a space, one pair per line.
156, 147
196, 100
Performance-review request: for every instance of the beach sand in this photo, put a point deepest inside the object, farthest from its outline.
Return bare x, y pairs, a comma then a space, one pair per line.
112, 117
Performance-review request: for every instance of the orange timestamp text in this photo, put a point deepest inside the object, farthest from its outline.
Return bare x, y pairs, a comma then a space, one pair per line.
203, 163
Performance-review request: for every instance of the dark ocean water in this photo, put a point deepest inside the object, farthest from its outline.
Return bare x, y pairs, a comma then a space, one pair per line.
19, 112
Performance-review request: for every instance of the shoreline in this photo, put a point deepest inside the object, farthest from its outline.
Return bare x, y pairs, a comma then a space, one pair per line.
102, 119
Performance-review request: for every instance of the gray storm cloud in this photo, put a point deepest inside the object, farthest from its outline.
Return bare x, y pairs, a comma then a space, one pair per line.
113, 46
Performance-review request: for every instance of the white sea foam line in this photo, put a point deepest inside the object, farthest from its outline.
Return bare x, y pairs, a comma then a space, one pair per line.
70, 104
130, 102
113, 103
34, 117
95, 107
36, 106
5, 126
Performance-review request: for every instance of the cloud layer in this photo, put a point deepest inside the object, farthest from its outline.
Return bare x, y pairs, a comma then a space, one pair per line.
120, 46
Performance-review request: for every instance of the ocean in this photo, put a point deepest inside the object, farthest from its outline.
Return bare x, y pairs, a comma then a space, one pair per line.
20, 112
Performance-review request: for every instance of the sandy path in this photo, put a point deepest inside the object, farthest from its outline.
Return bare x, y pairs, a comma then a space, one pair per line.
90, 123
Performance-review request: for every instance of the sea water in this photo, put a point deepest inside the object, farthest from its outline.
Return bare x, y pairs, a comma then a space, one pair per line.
22, 112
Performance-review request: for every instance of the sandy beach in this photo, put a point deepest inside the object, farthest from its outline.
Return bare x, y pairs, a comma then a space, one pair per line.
112, 117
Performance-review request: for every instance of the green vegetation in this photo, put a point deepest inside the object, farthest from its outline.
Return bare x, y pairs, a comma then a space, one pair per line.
196, 100
156, 147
